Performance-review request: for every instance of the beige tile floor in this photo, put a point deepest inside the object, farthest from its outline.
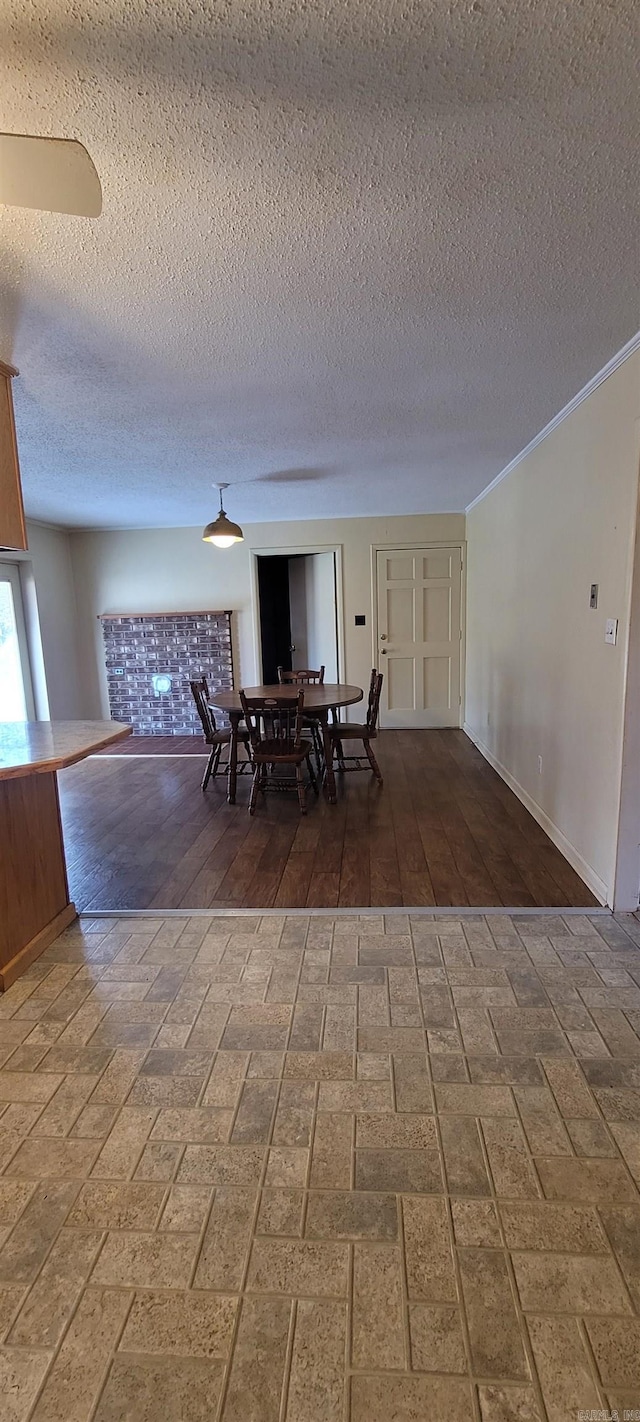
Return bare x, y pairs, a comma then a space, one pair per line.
313, 1169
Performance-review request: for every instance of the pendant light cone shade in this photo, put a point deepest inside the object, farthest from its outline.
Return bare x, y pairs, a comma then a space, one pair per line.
222, 531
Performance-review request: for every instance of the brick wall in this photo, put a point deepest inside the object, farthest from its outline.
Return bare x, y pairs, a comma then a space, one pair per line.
181, 645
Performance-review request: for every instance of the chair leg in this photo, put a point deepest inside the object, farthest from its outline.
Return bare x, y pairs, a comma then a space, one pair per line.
339, 754
210, 767
312, 776
254, 789
317, 746
302, 793
373, 762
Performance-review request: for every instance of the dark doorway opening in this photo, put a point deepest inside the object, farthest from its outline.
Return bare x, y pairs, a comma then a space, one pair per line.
275, 616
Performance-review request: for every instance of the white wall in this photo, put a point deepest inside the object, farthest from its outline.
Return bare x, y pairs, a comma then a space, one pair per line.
540, 678
154, 570
50, 610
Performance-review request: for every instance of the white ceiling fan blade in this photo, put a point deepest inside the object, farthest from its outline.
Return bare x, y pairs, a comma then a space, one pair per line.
53, 174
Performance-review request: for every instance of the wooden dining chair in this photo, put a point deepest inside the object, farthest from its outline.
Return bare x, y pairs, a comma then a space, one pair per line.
302, 675
275, 726
214, 737
307, 677
367, 732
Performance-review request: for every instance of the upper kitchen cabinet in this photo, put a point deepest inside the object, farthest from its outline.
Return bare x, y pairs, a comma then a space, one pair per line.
13, 533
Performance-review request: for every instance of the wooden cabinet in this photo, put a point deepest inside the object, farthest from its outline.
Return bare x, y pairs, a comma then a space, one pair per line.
13, 533
34, 894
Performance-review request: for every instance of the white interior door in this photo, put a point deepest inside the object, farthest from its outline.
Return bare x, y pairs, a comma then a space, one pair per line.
322, 628
419, 636
298, 612
16, 695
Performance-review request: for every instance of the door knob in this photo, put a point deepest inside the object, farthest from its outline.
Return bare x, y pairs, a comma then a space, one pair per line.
383, 652
383, 636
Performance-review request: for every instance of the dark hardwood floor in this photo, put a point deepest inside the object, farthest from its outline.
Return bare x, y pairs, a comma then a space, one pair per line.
156, 745
443, 830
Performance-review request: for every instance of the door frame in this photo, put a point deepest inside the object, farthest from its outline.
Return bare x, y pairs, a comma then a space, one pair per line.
409, 548
297, 550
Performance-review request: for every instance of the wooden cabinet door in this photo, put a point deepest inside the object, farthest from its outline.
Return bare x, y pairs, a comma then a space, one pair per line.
13, 533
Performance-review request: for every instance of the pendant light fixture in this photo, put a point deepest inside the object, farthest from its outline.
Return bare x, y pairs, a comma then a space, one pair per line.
222, 531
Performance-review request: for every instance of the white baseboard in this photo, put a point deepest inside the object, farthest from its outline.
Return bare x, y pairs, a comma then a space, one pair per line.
591, 879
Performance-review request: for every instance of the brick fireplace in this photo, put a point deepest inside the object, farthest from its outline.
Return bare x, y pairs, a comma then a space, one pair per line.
151, 657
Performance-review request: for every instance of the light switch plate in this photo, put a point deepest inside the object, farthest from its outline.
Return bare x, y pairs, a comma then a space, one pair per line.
611, 631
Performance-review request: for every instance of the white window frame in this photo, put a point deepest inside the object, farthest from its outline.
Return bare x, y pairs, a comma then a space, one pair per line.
10, 572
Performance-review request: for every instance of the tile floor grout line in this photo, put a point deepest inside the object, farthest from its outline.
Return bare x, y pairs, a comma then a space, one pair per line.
242, 1288
599, 1116
529, 1155
286, 1377
304, 1209
522, 1318
404, 1285
68, 1324
111, 1356
348, 1337
583, 1333
41, 1182
461, 1310
506, 1254
106, 1373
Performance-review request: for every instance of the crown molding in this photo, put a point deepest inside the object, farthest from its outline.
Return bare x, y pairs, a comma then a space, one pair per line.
588, 389
43, 523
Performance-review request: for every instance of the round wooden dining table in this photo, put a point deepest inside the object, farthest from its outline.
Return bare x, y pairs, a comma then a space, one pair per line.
319, 701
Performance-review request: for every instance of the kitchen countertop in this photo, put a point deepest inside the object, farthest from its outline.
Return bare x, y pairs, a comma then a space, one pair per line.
39, 747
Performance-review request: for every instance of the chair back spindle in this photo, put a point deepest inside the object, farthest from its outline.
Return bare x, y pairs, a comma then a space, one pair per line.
305, 676
274, 722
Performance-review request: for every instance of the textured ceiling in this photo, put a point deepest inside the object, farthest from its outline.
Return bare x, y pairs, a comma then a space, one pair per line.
353, 255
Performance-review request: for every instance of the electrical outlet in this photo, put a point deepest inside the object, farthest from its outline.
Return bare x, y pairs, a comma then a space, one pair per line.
539, 765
